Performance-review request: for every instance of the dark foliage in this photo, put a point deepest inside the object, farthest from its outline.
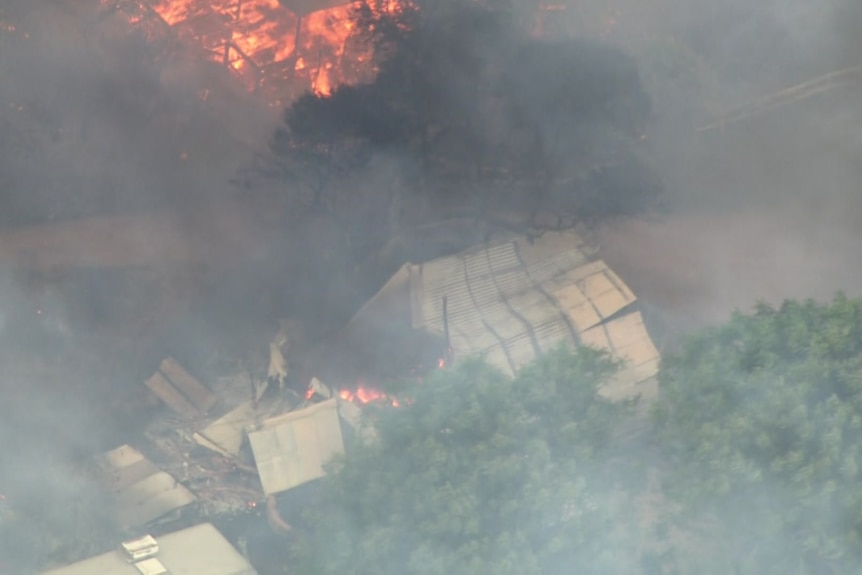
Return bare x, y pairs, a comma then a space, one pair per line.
485, 109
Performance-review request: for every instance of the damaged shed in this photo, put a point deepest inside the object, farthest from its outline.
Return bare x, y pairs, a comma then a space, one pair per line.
510, 301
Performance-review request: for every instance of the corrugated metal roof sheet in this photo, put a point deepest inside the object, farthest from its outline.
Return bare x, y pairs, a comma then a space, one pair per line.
512, 300
141, 491
198, 550
291, 449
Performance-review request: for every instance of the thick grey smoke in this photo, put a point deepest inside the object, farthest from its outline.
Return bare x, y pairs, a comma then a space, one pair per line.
762, 208
94, 119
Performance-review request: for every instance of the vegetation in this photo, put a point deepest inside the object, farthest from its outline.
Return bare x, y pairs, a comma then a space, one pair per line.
484, 474
761, 420
758, 426
475, 108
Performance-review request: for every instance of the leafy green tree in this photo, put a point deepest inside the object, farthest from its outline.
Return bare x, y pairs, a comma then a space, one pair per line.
761, 421
481, 473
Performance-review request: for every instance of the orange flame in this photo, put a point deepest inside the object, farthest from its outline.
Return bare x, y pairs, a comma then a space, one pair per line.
364, 395
252, 37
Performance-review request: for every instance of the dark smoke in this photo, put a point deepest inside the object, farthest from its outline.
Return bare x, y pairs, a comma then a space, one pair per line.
479, 111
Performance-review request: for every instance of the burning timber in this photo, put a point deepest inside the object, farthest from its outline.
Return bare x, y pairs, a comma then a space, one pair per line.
278, 47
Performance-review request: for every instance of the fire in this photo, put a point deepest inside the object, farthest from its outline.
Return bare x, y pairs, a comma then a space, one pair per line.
327, 28
266, 44
362, 394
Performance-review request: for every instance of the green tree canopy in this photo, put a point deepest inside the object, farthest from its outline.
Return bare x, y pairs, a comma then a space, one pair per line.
481, 473
761, 420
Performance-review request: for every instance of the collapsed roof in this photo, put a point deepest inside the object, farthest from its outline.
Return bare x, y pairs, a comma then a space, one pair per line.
510, 301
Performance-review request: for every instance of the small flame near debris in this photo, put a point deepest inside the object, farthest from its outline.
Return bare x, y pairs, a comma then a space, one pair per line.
363, 394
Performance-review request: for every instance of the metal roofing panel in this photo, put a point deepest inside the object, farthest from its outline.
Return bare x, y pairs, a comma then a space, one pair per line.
512, 282
597, 283
546, 270
521, 349
149, 499
553, 335
596, 338
502, 291
505, 300
496, 357
608, 296
477, 341
291, 449
141, 492
535, 307
626, 337
571, 298
504, 321
198, 550
631, 341
151, 567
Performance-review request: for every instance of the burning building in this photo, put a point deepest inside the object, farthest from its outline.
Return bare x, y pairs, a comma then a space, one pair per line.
278, 48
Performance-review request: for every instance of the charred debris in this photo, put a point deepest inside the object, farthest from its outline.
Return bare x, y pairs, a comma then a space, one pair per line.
247, 441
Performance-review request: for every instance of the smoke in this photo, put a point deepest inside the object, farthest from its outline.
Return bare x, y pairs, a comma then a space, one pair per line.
98, 119
94, 120
761, 208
